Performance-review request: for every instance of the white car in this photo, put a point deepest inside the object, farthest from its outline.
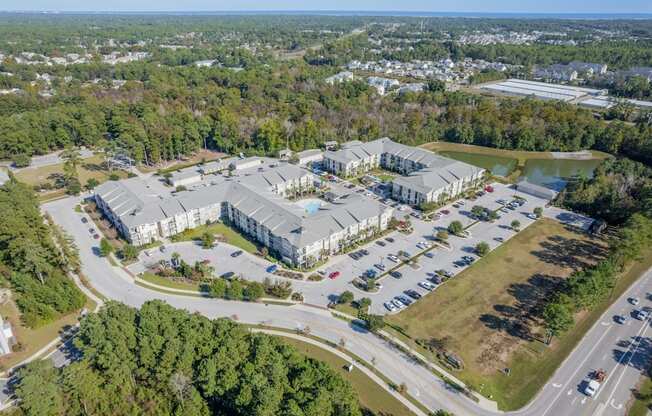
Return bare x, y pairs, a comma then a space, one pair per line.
397, 304
426, 285
393, 258
389, 306
591, 388
641, 315
402, 208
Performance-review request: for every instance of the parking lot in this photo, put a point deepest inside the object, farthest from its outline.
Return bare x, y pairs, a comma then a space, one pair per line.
426, 260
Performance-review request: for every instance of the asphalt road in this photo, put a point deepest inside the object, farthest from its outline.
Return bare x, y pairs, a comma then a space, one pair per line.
560, 396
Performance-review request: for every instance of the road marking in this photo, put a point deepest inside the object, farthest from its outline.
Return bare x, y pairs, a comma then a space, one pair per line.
570, 392
586, 357
573, 401
605, 323
583, 400
630, 352
620, 406
556, 385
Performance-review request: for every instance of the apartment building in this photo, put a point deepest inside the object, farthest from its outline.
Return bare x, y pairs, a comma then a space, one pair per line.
427, 177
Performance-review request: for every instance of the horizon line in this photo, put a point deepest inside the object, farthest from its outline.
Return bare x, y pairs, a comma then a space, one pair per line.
322, 11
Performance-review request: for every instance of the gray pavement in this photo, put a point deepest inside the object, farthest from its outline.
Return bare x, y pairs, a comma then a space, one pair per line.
599, 348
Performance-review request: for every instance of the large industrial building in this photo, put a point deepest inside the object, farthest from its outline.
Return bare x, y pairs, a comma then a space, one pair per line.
250, 194
427, 177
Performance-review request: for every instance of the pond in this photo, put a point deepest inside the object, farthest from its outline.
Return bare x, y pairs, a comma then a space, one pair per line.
554, 173
551, 173
497, 165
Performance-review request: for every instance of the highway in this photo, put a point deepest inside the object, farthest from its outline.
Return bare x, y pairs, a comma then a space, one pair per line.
622, 350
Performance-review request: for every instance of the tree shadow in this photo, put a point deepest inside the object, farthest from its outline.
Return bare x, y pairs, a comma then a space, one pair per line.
639, 357
569, 252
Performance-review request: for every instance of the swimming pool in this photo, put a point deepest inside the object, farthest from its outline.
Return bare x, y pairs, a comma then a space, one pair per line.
310, 206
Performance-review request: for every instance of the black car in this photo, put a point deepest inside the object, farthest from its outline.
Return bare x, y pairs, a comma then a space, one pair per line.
380, 243
413, 294
436, 280
364, 252
396, 274
236, 253
84, 220
354, 256
389, 239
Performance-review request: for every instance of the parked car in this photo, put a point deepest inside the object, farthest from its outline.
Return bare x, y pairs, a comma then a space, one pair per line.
413, 294
91, 230
395, 274
429, 254
404, 300
426, 285
96, 236
370, 273
634, 301
380, 266
436, 280
84, 220
365, 252
389, 306
398, 304
236, 253
393, 258
641, 315
444, 212
499, 239
227, 275
381, 243
334, 275
621, 319
272, 268
389, 239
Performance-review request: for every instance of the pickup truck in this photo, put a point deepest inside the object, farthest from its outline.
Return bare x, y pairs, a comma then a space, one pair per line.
596, 378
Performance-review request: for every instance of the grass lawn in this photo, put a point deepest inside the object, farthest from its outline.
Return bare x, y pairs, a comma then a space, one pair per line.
91, 167
348, 309
371, 395
487, 314
174, 284
33, 340
170, 166
520, 155
230, 235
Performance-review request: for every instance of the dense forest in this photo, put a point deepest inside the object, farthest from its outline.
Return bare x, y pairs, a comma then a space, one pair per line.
163, 113
31, 263
163, 361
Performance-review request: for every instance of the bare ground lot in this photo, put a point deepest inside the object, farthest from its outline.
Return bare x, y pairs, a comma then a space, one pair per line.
488, 315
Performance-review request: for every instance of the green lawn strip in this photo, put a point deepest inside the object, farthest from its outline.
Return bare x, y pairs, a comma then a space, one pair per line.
173, 284
372, 396
230, 234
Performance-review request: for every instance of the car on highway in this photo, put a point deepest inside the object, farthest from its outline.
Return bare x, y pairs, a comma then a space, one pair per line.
272, 268
389, 306
236, 253
396, 274
596, 378
334, 275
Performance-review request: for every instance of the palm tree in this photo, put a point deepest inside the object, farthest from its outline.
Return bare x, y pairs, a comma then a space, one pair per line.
72, 158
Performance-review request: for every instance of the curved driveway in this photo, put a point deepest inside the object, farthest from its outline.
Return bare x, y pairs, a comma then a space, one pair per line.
560, 395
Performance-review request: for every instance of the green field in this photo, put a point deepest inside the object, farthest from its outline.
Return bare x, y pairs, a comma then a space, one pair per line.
485, 314
173, 284
228, 234
371, 395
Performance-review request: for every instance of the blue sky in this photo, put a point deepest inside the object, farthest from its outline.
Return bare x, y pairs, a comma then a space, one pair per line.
529, 6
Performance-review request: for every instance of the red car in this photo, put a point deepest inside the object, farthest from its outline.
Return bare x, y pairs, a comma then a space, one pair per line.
333, 275
489, 188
